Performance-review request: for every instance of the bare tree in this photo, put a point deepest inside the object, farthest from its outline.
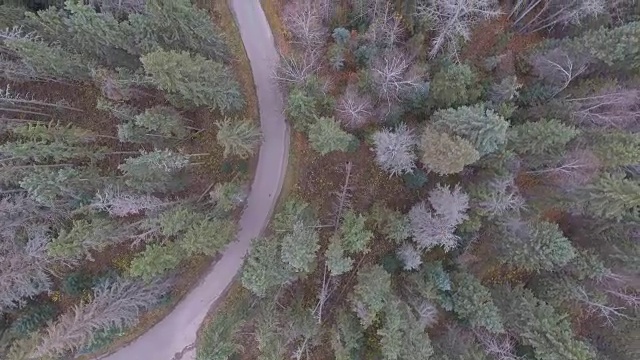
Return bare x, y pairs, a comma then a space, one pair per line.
502, 197
115, 304
535, 15
385, 28
304, 22
353, 109
396, 150
575, 168
294, 70
410, 256
392, 75
452, 20
612, 107
500, 346
119, 204
559, 68
599, 305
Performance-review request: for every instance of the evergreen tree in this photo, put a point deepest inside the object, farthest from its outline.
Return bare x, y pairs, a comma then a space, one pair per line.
616, 46
535, 246
163, 121
207, 237
616, 149
52, 132
262, 270
370, 293
40, 151
402, 335
538, 325
300, 109
473, 303
239, 138
153, 170
335, 259
325, 136
611, 196
299, 247
49, 185
485, 129
353, 233
543, 137
445, 154
156, 260
85, 236
347, 336
194, 79
454, 85
396, 150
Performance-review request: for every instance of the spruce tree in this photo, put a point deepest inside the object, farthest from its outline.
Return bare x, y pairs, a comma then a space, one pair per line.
616, 149
325, 136
616, 46
49, 60
263, 270
84, 237
335, 259
207, 237
353, 233
611, 197
300, 109
371, 293
299, 247
543, 137
454, 85
473, 303
163, 121
485, 129
153, 170
239, 138
194, 79
156, 260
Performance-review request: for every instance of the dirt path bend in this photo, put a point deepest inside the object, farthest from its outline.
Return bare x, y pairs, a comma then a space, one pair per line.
173, 338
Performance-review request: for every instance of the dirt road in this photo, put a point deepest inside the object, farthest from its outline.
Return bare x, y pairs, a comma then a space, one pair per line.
174, 336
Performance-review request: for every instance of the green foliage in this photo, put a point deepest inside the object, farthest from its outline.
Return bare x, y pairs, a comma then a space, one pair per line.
616, 149
49, 60
40, 151
416, 179
162, 121
301, 109
103, 338
543, 137
617, 46
54, 132
611, 196
299, 247
445, 154
538, 325
227, 196
48, 185
536, 246
485, 129
207, 237
371, 292
156, 260
35, 317
152, 171
10, 15
239, 138
217, 341
293, 210
454, 85
402, 335
84, 236
335, 259
261, 271
347, 336
75, 283
473, 303
353, 233
325, 136
194, 79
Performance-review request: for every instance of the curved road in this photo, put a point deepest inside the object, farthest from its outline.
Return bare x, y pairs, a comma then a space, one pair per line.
173, 338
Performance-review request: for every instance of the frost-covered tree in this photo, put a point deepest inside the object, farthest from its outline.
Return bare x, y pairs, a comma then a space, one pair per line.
410, 256
535, 246
335, 259
239, 138
114, 304
371, 293
473, 303
396, 149
119, 203
194, 79
452, 21
445, 154
325, 136
299, 247
451, 204
485, 129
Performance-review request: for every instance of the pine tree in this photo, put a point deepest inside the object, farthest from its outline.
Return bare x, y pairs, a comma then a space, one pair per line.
485, 129
194, 79
454, 85
535, 246
444, 154
299, 247
207, 237
543, 137
40, 151
612, 197
353, 233
300, 109
262, 270
325, 136
335, 259
538, 325
49, 185
54, 132
614, 46
371, 293
114, 304
239, 138
473, 303
396, 150
402, 335
617, 149
156, 260
163, 121
153, 170
347, 336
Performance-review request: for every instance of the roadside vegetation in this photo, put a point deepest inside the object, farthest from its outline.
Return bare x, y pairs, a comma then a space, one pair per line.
127, 131
466, 185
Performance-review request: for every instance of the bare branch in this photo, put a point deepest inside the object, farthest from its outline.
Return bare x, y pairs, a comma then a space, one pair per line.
353, 109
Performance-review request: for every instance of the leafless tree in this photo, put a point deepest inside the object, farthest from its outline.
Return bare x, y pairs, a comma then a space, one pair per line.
452, 20
295, 69
114, 304
599, 305
303, 19
502, 197
343, 197
396, 150
392, 74
559, 68
119, 7
612, 107
535, 15
354, 109
575, 168
385, 28
500, 346
410, 256
119, 204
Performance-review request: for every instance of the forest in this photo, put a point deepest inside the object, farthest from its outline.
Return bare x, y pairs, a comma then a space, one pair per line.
126, 142
464, 185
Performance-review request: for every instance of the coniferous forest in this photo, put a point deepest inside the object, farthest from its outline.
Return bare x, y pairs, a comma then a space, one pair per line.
464, 184
123, 165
